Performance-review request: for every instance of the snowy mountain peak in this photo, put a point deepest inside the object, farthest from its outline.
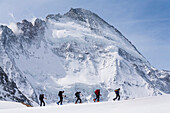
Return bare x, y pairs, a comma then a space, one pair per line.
80, 14
6, 35
31, 30
6, 30
87, 16
76, 51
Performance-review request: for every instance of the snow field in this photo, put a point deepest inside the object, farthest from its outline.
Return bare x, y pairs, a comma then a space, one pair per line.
159, 104
10, 105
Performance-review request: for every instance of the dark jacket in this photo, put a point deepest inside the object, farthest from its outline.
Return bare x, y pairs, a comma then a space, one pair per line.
41, 97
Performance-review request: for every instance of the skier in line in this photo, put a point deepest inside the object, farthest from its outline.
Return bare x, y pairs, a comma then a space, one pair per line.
78, 94
117, 94
60, 94
97, 93
41, 97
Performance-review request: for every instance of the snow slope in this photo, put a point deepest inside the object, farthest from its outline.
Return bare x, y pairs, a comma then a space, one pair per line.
10, 105
158, 104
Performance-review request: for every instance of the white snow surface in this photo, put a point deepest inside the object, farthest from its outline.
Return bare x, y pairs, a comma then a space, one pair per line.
10, 105
157, 104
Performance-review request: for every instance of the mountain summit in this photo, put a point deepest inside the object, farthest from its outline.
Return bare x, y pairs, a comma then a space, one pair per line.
77, 51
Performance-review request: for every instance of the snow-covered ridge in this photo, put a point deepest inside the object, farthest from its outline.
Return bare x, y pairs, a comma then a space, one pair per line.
76, 51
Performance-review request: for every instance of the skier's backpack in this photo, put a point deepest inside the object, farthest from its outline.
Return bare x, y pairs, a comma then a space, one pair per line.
41, 96
77, 94
117, 91
97, 91
60, 93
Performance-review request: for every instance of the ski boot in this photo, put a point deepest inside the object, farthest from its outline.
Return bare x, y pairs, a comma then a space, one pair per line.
58, 103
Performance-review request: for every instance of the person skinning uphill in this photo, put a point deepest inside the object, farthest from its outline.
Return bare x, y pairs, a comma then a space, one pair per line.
78, 94
117, 94
97, 93
60, 94
41, 97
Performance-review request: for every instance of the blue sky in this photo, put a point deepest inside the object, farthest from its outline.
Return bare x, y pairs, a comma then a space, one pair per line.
146, 23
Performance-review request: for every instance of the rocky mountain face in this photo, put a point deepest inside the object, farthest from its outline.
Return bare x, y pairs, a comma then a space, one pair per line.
77, 51
9, 91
